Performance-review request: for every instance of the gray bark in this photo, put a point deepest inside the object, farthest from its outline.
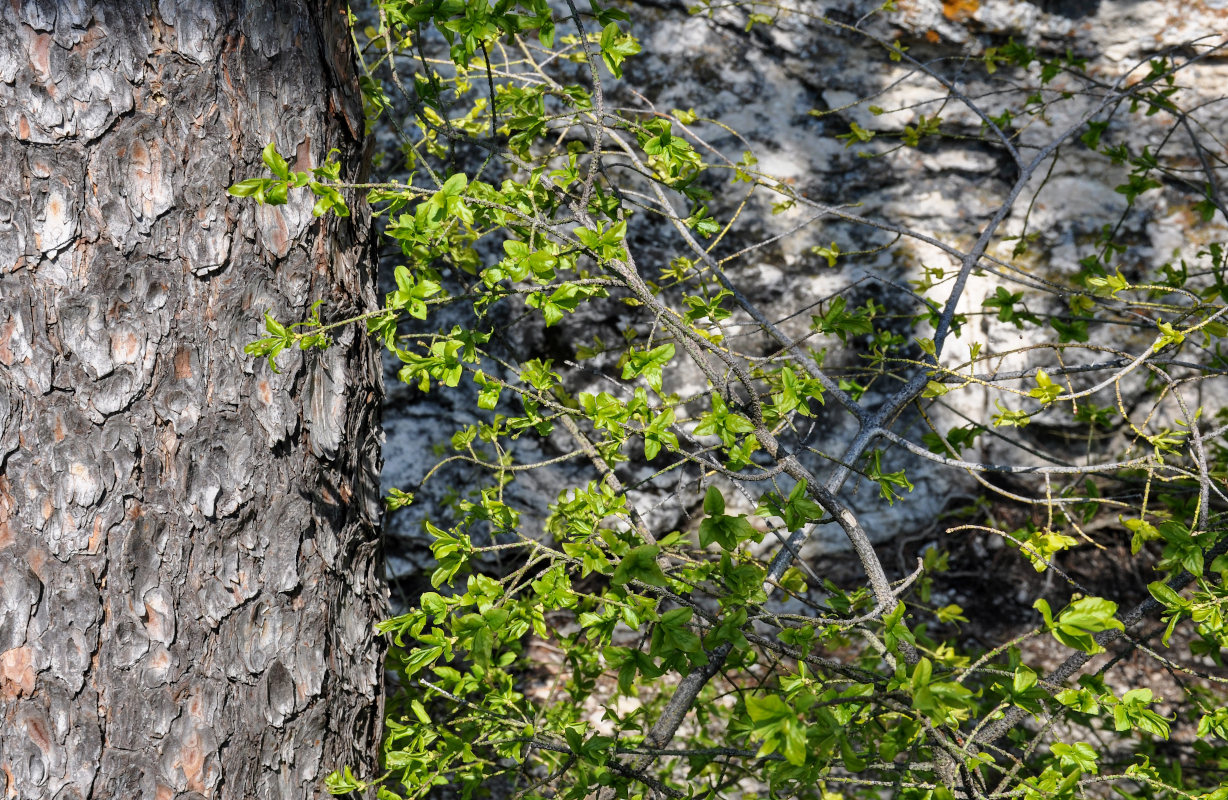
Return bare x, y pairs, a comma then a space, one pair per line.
189, 558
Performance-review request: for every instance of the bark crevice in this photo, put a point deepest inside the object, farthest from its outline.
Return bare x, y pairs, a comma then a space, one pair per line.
190, 565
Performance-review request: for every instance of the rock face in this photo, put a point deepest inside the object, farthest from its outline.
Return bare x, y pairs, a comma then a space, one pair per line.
189, 565
792, 90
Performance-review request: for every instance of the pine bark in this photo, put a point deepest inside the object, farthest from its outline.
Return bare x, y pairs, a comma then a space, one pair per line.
190, 566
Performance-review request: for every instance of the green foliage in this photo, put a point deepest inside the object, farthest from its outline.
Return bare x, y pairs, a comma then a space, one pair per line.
724, 530
720, 658
276, 190
1076, 624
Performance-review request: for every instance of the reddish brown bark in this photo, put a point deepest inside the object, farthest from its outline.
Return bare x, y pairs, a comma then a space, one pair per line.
189, 560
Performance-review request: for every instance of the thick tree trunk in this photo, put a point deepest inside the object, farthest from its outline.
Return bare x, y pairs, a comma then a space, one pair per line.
189, 561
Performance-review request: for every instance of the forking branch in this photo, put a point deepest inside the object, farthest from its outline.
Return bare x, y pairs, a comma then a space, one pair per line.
589, 213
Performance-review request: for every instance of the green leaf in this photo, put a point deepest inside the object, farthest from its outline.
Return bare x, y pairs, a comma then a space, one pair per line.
797, 510
657, 435
1109, 285
640, 564
455, 185
921, 675
247, 188
1079, 756
329, 200
649, 363
672, 633
1168, 335
1046, 390
1164, 594
846, 323
419, 658
1078, 622
778, 725
687, 117
1091, 137
343, 782
1007, 417
727, 531
1006, 302
856, 135
273, 160
615, 48
887, 481
488, 391
1025, 678
951, 613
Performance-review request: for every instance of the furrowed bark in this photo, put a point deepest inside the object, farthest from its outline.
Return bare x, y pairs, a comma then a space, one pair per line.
189, 559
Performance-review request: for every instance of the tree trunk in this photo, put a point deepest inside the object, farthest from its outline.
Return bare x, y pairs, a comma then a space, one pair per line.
189, 561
